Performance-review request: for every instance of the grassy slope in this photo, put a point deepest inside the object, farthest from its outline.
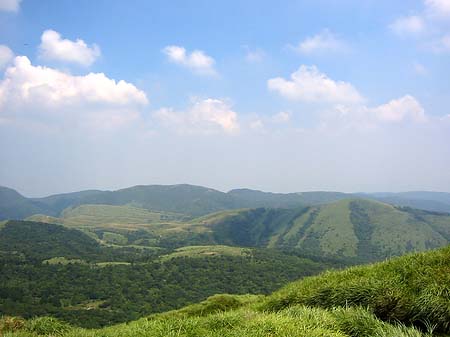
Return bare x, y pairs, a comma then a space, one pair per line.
351, 228
202, 251
359, 301
92, 215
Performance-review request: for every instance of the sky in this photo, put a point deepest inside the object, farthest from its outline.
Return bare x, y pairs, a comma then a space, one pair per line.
286, 96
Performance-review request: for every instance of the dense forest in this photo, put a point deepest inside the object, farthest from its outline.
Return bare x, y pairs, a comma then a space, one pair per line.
46, 269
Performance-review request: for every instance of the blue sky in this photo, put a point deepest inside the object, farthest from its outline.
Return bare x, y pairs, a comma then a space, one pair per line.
288, 96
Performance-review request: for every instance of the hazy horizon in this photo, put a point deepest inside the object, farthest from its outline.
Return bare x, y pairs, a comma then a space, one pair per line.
220, 190
348, 96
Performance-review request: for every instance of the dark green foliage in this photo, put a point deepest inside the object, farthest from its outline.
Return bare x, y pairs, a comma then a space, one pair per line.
42, 241
367, 251
92, 296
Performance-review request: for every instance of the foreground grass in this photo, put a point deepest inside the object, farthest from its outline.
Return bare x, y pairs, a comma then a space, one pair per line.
297, 321
413, 289
403, 297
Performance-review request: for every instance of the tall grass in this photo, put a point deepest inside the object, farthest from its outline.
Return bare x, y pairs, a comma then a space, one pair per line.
413, 289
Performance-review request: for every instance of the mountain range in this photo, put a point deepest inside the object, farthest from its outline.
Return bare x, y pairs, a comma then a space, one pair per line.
196, 200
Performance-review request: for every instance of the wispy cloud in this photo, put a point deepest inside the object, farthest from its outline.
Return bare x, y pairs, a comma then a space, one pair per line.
325, 41
408, 25
10, 5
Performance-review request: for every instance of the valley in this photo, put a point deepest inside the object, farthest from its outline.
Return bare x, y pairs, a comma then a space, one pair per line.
93, 259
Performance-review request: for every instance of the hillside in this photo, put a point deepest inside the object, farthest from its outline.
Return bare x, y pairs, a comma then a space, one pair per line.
40, 241
194, 201
352, 228
356, 230
402, 297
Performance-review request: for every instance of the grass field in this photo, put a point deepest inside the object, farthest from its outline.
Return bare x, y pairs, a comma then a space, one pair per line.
202, 251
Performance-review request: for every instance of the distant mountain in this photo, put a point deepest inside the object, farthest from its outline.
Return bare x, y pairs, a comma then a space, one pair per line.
13, 205
364, 230
252, 198
431, 201
197, 201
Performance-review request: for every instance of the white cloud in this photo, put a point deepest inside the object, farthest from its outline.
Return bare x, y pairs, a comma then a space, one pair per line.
308, 84
54, 47
197, 60
396, 112
325, 41
409, 25
6, 56
401, 109
28, 91
438, 8
203, 116
282, 117
10, 5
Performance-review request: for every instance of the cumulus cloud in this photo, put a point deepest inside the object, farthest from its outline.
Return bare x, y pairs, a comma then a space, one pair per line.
6, 56
10, 5
409, 25
308, 84
54, 47
197, 60
324, 41
397, 110
29, 91
203, 116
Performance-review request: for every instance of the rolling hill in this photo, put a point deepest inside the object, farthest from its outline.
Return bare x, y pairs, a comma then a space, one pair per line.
354, 229
194, 201
351, 228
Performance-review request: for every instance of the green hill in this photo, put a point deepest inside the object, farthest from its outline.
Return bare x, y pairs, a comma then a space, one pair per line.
357, 230
40, 241
352, 228
13, 205
402, 297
